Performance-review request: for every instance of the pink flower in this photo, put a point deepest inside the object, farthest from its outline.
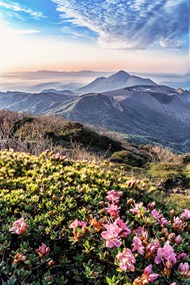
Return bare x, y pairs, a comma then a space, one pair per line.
185, 214
152, 248
125, 231
113, 210
163, 222
76, 224
152, 205
183, 268
174, 283
178, 224
112, 235
141, 232
137, 245
166, 254
113, 196
178, 239
181, 256
139, 209
43, 250
126, 260
148, 276
19, 227
156, 214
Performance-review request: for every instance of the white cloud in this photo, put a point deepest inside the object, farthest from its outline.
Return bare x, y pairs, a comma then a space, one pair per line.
128, 24
18, 8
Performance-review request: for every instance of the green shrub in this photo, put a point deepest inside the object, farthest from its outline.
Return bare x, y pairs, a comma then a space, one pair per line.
166, 170
129, 158
40, 197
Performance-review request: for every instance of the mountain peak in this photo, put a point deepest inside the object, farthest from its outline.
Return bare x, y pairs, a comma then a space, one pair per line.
121, 73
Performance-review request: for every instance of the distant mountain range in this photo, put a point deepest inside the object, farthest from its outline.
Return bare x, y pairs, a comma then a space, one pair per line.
139, 109
116, 81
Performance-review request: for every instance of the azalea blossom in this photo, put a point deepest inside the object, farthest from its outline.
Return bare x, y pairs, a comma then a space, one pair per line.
19, 257
178, 239
152, 248
113, 210
113, 196
152, 205
156, 214
163, 222
146, 277
183, 268
76, 224
185, 214
19, 227
137, 245
126, 260
138, 209
178, 224
166, 254
181, 256
125, 231
43, 250
112, 235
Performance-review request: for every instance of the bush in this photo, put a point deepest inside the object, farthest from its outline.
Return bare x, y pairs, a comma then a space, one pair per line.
68, 222
129, 158
166, 170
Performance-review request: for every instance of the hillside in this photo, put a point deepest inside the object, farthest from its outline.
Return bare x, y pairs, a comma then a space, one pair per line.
70, 188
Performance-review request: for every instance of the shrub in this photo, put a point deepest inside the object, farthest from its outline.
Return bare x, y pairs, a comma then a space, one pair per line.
166, 170
69, 222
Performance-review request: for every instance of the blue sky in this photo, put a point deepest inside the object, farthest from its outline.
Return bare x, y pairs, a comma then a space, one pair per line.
135, 35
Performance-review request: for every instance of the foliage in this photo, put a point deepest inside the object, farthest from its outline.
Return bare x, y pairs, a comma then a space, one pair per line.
166, 170
53, 214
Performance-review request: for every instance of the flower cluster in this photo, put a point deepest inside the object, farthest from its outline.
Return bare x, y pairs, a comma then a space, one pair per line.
19, 227
43, 250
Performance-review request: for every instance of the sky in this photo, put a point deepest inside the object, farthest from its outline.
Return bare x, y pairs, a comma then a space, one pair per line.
100, 35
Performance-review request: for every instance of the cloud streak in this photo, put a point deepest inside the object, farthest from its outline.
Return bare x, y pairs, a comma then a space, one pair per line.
17, 8
127, 24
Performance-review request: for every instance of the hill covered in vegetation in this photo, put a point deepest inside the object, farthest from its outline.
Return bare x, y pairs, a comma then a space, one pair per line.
94, 212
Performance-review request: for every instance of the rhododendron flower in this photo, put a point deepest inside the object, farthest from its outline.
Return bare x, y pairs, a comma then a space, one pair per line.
185, 214
138, 209
152, 205
113, 196
126, 260
140, 231
137, 245
152, 248
112, 235
163, 222
146, 277
183, 268
76, 224
125, 230
166, 254
113, 210
19, 257
178, 224
178, 239
19, 227
156, 214
181, 256
43, 250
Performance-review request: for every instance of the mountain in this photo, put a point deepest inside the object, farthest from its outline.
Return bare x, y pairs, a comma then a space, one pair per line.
142, 114
121, 79
145, 113
34, 103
